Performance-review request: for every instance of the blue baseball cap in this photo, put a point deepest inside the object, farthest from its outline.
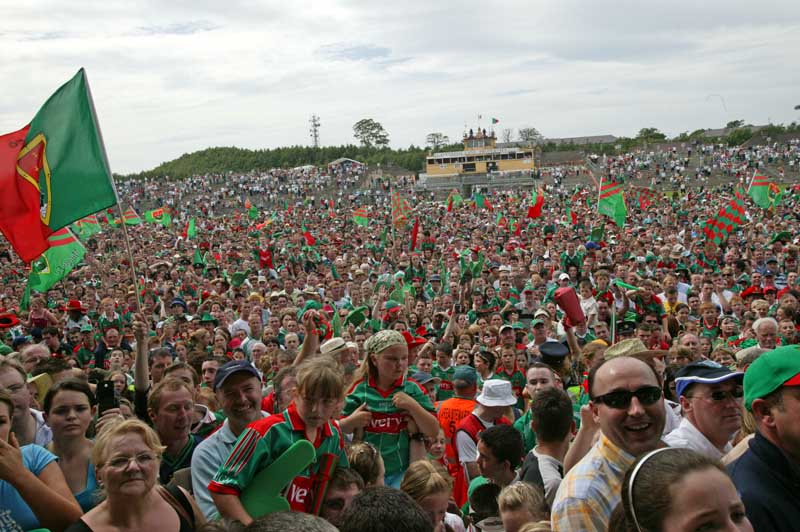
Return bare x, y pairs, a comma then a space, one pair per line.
234, 366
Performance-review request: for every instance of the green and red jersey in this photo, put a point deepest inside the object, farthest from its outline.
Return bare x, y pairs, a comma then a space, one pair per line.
265, 440
517, 380
444, 390
387, 430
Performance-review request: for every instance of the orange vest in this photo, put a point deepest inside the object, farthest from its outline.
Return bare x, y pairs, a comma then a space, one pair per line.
450, 413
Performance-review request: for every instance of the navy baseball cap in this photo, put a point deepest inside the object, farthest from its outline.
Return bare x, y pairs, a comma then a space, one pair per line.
234, 366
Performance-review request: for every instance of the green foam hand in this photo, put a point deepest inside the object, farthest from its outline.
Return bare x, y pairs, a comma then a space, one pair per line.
263, 495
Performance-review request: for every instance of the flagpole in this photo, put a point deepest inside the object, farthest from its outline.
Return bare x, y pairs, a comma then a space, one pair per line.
116, 193
755, 171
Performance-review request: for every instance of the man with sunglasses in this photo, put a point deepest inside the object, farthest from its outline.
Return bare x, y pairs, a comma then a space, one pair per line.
627, 403
711, 399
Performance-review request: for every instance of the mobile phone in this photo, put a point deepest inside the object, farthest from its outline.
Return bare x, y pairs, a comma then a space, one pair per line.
107, 397
458, 308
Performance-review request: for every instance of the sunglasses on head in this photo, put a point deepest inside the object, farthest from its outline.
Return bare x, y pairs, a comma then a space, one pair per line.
621, 399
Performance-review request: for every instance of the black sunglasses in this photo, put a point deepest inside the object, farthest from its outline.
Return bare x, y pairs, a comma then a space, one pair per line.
621, 399
721, 395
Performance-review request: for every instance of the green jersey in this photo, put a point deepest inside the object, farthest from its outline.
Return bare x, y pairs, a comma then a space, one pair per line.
387, 430
517, 380
265, 440
445, 388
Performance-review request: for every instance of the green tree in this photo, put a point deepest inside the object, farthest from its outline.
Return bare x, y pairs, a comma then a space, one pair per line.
370, 133
733, 124
529, 134
650, 134
436, 140
740, 136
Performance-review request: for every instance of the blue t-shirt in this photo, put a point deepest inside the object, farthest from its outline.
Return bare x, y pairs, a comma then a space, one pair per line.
15, 514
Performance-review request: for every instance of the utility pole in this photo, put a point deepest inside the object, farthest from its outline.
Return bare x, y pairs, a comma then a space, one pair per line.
314, 130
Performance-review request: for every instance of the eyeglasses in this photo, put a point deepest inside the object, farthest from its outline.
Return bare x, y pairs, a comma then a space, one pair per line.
721, 395
122, 462
621, 399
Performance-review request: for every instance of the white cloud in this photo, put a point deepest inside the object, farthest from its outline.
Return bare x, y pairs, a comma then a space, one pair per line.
174, 77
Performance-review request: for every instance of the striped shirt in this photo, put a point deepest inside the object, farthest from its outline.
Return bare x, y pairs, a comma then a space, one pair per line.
265, 440
591, 490
387, 430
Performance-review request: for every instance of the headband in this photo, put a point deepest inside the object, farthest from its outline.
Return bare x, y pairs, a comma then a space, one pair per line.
633, 478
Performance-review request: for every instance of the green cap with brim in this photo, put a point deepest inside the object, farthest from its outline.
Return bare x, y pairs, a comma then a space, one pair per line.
783, 236
772, 370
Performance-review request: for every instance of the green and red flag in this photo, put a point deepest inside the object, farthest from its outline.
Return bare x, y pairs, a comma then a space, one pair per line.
159, 216
361, 217
482, 202
53, 171
535, 210
63, 254
454, 199
612, 202
727, 220
764, 192
130, 217
309, 238
571, 216
190, 231
87, 227
495, 120
400, 209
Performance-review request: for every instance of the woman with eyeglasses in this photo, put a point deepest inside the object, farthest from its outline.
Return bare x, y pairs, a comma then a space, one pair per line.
127, 456
678, 490
33, 492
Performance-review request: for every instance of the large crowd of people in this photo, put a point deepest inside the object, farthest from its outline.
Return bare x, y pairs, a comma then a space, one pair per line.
319, 357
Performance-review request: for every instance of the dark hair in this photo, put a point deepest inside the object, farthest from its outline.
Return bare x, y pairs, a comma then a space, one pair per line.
343, 477
52, 331
72, 385
646, 500
289, 521
158, 352
600, 364
364, 459
551, 414
382, 509
178, 365
506, 444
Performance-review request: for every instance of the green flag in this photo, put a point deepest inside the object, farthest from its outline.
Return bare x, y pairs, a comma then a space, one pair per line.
86, 227
336, 324
130, 217
65, 252
360, 217
191, 230
612, 203
159, 216
252, 212
598, 234
764, 193
58, 171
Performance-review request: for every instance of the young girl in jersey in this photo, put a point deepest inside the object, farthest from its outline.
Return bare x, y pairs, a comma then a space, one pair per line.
384, 402
310, 417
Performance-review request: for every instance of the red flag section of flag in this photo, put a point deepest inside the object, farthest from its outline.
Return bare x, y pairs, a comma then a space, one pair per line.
535, 210
414, 234
20, 219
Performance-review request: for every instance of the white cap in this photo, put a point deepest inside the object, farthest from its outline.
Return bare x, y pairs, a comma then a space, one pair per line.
563, 276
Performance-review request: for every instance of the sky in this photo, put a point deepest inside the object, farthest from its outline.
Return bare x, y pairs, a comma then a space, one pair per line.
174, 77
